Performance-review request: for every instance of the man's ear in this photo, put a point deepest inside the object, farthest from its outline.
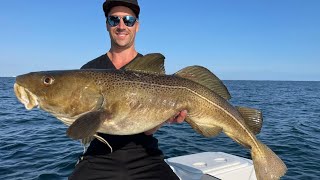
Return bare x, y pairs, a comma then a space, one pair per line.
138, 25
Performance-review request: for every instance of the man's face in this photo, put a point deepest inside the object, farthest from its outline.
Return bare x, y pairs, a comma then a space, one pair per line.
121, 35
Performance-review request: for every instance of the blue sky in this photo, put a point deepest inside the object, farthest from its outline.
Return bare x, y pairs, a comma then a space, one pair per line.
237, 40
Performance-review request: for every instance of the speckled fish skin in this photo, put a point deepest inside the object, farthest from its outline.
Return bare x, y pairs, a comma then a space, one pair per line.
134, 102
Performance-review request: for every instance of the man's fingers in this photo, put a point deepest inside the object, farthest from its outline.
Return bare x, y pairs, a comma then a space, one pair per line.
179, 117
182, 115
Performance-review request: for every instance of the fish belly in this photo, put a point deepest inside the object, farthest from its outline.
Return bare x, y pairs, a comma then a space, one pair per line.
139, 110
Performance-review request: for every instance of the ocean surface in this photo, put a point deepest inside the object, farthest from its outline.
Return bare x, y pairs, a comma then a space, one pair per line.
33, 144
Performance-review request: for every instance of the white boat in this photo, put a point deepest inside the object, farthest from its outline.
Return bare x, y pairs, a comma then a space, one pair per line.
212, 166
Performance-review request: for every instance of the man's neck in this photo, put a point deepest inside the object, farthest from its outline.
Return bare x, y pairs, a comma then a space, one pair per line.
120, 58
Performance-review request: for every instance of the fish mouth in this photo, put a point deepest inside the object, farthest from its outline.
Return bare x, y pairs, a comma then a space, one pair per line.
26, 97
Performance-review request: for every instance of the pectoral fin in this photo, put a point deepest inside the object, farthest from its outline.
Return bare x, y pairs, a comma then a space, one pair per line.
86, 141
87, 125
252, 117
205, 130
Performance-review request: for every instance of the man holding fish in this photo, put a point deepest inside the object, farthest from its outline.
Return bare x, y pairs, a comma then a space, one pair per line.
139, 152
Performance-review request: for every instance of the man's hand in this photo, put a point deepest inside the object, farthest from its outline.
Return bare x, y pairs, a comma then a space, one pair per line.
178, 118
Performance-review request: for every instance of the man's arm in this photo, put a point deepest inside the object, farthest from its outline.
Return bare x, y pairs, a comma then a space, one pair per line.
178, 118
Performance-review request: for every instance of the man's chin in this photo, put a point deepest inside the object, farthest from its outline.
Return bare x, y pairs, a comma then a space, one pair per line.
123, 44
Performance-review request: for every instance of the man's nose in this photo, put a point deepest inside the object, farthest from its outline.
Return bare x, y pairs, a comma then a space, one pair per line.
121, 24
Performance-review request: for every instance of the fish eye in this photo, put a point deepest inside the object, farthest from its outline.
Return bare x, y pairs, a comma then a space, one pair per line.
47, 80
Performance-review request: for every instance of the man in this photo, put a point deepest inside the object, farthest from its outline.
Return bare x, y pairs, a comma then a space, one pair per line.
134, 156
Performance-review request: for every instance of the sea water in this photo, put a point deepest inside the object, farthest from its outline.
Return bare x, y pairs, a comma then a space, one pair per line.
34, 145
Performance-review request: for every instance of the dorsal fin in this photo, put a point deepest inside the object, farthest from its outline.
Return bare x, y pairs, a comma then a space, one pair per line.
206, 78
150, 63
252, 117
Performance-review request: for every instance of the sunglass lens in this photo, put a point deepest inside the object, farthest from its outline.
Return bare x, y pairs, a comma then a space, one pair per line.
113, 20
129, 20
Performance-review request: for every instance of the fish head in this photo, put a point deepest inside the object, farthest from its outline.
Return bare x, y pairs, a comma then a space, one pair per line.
65, 94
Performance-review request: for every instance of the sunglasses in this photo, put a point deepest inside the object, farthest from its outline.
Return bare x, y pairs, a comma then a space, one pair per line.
115, 20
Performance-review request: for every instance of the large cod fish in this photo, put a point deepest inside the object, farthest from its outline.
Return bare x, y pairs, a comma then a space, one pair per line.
131, 101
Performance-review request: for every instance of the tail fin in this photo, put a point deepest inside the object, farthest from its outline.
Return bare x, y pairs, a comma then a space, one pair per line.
267, 164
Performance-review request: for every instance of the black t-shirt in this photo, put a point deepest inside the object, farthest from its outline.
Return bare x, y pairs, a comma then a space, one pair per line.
141, 140
103, 62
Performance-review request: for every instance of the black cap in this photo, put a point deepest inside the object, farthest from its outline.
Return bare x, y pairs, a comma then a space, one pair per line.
132, 4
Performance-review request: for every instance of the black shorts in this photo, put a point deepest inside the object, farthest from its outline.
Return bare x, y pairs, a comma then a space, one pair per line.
131, 162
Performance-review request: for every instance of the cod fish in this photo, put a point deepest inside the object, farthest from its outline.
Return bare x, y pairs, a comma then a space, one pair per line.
141, 97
